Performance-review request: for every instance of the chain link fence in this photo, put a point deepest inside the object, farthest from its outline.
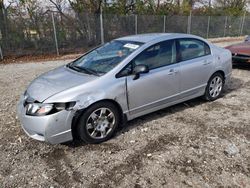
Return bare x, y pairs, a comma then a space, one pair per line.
56, 33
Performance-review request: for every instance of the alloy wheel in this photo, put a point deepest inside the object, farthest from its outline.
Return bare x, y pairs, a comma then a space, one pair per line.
215, 86
100, 123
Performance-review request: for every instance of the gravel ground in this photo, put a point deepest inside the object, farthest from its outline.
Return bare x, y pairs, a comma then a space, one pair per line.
193, 144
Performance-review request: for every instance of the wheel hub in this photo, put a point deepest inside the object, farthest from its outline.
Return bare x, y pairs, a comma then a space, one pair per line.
102, 125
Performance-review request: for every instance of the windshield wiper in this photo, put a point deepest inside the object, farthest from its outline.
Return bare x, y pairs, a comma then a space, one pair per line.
83, 69
88, 70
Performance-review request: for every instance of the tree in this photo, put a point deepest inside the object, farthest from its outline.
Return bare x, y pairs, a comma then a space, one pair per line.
232, 7
4, 22
80, 6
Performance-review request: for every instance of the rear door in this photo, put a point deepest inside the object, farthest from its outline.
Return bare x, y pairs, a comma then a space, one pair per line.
196, 66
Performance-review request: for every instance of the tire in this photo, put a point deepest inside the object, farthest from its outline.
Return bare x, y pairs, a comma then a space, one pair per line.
98, 123
214, 87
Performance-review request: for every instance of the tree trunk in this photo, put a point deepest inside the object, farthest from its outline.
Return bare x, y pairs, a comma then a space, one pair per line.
3, 24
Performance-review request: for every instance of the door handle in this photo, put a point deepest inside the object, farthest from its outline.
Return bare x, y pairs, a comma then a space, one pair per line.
172, 71
206, 62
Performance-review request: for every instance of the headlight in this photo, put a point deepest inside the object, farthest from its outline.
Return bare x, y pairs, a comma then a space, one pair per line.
41, 109
38, 109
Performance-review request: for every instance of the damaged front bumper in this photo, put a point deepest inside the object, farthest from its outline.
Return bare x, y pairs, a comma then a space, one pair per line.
54, 128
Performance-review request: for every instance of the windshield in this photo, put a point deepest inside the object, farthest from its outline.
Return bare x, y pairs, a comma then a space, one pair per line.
104, 58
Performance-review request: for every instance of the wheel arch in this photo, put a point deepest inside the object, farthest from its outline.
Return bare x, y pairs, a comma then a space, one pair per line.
220, 72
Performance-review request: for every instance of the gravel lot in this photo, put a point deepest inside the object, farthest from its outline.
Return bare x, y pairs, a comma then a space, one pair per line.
193, 144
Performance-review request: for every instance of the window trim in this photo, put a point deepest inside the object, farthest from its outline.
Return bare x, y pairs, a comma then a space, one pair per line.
190, 38
118, 75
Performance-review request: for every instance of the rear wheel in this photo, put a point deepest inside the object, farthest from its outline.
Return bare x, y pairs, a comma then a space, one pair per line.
98, 123
214, 87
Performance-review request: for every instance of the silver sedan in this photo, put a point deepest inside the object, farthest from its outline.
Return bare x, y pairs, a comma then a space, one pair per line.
119, 81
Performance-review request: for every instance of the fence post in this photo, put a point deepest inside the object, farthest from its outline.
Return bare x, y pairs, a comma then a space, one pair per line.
189, 22
164, 23
55, 36
208, 26
1, 53
242, 24
225, 27
241, 20
136, 26
101, 27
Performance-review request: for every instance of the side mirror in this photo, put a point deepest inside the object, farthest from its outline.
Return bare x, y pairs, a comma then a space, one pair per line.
140, 69
125, 72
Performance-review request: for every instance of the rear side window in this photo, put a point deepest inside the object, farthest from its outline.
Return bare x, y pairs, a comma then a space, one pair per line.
193, 48
158, 55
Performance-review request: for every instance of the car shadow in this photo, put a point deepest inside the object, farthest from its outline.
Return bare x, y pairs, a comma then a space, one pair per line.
233, 85
160, 113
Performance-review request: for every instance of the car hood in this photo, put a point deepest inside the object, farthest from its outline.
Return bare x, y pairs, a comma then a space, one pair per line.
241, 48
55, 81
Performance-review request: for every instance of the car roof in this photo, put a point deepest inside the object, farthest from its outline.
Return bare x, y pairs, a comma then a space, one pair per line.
144, 38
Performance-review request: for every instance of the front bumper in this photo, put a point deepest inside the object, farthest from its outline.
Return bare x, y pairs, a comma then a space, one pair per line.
54, 128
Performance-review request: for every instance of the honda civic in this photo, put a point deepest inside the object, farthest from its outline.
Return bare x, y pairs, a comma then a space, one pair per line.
90, 97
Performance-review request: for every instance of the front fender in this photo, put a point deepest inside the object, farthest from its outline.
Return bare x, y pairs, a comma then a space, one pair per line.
86, 99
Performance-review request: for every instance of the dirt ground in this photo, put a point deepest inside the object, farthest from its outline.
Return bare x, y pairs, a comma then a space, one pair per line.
193, 144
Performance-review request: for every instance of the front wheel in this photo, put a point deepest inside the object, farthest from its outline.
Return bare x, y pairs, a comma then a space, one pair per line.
214, 87
98, 123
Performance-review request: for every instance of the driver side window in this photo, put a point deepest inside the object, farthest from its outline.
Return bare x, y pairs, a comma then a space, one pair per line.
158, 55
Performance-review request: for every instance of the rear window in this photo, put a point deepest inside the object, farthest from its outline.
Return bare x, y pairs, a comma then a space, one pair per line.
193, 48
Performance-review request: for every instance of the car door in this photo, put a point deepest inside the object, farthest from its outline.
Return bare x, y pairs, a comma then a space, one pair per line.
160, 85
196, 66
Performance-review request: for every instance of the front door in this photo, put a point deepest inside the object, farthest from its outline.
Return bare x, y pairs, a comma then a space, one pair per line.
160, 85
